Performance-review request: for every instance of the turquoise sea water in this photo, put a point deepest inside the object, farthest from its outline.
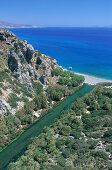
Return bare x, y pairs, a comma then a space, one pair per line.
86, 50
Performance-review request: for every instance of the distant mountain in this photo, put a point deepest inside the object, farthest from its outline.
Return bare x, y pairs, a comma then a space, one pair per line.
4, 24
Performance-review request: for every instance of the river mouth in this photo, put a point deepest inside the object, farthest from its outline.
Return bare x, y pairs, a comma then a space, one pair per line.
18, 147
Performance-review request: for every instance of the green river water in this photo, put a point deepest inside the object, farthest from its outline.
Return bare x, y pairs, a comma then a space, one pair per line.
18, 147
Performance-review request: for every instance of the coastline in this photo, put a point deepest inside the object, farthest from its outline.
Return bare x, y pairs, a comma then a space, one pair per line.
93, 80
89, 79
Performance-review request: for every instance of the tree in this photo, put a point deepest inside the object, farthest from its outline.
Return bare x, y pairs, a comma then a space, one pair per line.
66, 130
39, 61
61, 161
40, 101
41, 155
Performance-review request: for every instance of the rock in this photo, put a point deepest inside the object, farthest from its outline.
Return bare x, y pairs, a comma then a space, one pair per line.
2, 32
56, 136
8, 34
2, 37
22, 63
43, 80
13, 61
35, 75
29, 53
27, 80
1, 52
20, 70
32, 72
23, 47
4, 106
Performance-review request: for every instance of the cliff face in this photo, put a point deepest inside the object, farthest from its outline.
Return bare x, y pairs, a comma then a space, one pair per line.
20, 63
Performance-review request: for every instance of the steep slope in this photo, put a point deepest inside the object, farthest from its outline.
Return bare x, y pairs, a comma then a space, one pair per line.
18, 70
30, 84
20, 82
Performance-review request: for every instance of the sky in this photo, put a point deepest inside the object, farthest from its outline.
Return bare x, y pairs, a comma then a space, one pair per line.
58, 13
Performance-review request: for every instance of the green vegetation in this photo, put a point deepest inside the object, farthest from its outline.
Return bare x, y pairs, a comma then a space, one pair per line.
37, 67
37, 87
73, 142
16, 148
72, 81
20, 93
67, 84
4, 76
0, 92
39, 61
8, 129
12, 100
56, 92
67, 77
40, 101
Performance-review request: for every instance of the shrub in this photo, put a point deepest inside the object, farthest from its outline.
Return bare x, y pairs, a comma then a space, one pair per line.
37, 67
12, 100
58, 71
61, 161
39, 61
99, 154
40, 101
108, 133
56, 92
37, 87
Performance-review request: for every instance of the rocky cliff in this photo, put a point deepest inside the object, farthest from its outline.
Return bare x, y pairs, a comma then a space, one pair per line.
20, 66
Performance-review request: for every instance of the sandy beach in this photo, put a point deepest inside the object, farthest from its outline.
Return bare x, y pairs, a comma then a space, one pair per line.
93, 80
90, 79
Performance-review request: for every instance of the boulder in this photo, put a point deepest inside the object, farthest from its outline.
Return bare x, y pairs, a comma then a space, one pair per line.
43, 80
29, 53
13, 61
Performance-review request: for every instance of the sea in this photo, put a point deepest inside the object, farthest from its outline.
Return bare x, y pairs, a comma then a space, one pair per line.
86, 50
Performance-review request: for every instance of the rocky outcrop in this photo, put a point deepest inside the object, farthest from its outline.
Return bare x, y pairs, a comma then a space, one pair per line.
29, 53
20, 70
21, 59
43, 80
5, 34
14, 62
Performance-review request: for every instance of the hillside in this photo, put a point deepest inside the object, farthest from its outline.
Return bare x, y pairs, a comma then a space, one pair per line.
18, 71
30, 84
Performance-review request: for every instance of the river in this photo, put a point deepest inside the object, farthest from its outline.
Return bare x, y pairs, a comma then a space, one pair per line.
18, 147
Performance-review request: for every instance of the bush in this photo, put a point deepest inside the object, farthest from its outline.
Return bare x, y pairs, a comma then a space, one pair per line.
37, 67
66, 130
99, 154
66, 153
55, 92
61, 161
39, 61
3, 76
40, 101
12, 100
108, 133
37, 87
